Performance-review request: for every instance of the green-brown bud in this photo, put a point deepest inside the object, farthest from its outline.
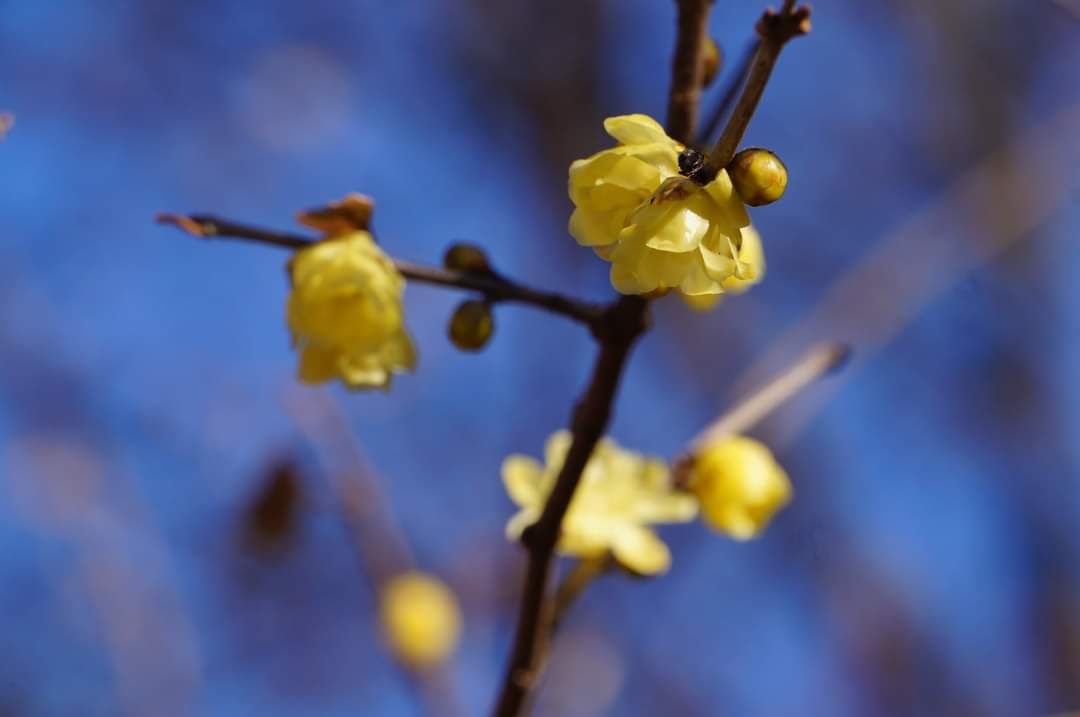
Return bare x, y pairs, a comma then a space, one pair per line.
466, 257
471, 325
711, 59
758, 176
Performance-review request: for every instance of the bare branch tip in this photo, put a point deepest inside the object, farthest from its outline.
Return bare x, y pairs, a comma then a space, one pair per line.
186, 224
788, 23
838, 355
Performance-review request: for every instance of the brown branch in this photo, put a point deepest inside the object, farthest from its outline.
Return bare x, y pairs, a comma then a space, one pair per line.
494, 287
774, 29
688, 69
622, 324
727, 97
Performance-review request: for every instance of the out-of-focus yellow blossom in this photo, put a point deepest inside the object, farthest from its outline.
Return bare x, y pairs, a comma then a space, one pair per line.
345, 313
658, 229
740, 486
420, 618
620, 495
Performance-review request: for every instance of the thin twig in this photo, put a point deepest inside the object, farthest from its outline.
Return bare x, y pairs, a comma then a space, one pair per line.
815, 363
731, 91
380, 544
688, 69
775, 29
494, 287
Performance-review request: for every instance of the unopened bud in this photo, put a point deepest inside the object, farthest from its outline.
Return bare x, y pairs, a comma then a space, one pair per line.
758, 176
466, 257
711, 59
471, 325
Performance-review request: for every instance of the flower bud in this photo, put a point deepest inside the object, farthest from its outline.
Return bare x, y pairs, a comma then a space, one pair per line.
471, 325
420, 618
466, 257
711, 59
739, 486
758, 176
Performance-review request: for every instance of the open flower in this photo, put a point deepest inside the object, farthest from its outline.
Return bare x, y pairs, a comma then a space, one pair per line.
740, 486
750, 270
345, 313
620, 495
660, 230
420, 618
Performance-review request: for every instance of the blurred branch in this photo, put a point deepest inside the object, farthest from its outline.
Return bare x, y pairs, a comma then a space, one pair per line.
380, 544
775, 30
688, 69
495, 288
727, 97
819, 361
1010, 193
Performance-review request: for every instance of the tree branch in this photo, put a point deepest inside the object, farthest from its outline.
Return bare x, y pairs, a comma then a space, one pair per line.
818, 361
494, 287
774, 29
688, 70
623, 323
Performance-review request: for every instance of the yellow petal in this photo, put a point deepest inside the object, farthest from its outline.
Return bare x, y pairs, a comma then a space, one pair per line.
635, 129
521, 477
740, 486
702, 302
556, 447
640, 550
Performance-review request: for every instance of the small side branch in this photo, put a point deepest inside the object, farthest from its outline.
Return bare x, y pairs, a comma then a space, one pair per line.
775, 30
818, 361
494, 287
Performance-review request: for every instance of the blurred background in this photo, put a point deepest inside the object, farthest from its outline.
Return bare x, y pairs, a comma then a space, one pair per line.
172, 539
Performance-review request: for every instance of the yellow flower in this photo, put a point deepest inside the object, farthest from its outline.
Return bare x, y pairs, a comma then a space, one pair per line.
345, 313
750, 271
621, 493
420, 618
740, 486
659, 230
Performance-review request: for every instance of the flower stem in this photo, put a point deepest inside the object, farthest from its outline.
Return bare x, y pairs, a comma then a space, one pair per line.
774, 29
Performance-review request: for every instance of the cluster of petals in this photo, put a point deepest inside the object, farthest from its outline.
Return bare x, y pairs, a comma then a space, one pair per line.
621, 494
661, 230
345, 313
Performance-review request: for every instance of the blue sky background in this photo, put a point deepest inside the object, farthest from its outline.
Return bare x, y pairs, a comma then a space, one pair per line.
930, 563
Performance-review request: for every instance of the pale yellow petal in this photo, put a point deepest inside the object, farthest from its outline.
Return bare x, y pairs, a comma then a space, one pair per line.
521, 476
640, 550
635, 129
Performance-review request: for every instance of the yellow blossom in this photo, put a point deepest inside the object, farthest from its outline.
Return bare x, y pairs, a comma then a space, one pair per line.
345, 313
620, 495
420, 618
659, 230
751, 270
740, 486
